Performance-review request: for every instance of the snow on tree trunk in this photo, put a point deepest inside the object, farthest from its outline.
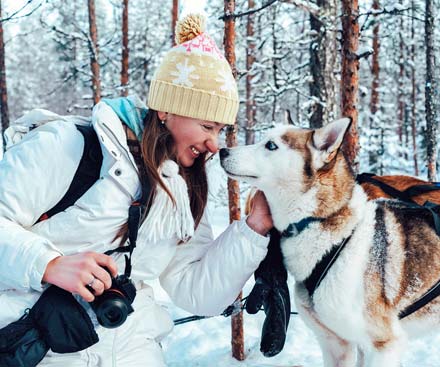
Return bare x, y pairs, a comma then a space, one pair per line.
3, 89
174, 18
374, 102
250, 59
323, 87
237, 336
413, 92
350, 77
94, 52
430, 86
125, 50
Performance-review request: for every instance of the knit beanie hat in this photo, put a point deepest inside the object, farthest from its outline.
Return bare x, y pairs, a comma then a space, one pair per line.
194, 78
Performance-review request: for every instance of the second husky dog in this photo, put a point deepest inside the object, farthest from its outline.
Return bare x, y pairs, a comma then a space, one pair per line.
386, 254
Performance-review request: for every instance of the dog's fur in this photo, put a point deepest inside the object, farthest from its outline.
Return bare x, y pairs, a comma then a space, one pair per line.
391, 259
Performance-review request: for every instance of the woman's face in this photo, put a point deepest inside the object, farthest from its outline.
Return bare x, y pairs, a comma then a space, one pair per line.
192, 136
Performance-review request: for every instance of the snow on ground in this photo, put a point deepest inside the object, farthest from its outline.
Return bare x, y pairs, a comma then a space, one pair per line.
206, 343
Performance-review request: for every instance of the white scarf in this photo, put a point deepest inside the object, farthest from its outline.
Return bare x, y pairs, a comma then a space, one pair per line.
166, 220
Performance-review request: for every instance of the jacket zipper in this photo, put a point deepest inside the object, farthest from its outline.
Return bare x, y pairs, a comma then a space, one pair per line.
121, 146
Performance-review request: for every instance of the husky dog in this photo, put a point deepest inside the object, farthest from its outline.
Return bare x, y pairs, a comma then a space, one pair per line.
385, 255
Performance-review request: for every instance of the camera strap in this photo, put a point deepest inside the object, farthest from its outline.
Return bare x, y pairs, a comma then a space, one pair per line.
138, 209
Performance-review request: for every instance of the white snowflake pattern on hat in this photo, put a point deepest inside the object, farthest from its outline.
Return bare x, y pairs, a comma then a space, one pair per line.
227, 80
184, 73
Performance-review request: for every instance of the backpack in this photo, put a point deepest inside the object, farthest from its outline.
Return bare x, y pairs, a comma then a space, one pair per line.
45, 326
89, 167
86, 175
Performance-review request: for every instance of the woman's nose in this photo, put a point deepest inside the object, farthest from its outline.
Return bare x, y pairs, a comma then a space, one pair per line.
212, 145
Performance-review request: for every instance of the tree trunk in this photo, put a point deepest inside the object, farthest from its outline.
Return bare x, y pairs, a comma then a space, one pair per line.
237, 337
401, 93
374, 102
413, 91
274, 62
3, 89
125, 50
250, 59
350, 77
94, 52
174, 17
430, 87
323, 64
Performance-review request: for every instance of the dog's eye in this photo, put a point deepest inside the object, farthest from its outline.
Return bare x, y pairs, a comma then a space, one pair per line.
270, 145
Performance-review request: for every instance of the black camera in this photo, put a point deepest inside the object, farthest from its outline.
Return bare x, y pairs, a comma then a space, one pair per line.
114, 305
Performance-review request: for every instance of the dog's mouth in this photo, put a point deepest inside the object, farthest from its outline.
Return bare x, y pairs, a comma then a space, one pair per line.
239, 176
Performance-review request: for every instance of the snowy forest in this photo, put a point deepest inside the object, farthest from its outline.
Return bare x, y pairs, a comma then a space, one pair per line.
289, 56
304, 62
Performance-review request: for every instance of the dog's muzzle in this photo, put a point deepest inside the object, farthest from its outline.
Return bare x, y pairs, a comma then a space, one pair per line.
224, 152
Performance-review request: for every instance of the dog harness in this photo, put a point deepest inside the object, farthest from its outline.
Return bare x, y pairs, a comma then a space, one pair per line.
406, 196
321, 269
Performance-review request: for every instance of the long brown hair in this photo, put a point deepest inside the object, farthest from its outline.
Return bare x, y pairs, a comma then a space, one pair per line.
157, 146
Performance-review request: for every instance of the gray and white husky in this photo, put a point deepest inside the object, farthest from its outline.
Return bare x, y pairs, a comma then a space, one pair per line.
390, 255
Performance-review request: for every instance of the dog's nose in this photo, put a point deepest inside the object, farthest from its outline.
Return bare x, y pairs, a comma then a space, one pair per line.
224, 152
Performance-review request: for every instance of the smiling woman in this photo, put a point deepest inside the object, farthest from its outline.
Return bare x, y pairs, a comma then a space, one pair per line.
192, 137
153, 156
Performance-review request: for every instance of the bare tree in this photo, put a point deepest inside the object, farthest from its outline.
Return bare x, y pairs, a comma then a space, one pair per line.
350, 76
413, 92
174, 17
250, 59
374, 101
237, 337
323, 57
276, 85
401, 92
430, 87
94, 52
3, 89
125, 50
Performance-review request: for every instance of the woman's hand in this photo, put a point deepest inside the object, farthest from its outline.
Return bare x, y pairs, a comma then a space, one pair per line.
75, 272
259, 218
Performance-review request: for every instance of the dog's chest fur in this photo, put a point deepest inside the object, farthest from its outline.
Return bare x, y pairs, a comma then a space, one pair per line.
339, 301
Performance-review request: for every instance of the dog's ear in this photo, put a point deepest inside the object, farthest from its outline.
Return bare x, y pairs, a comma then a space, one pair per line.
328, 139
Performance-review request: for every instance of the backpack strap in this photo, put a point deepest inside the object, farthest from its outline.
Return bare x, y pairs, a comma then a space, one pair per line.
86, 174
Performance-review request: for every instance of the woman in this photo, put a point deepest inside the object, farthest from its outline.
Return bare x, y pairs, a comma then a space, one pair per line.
192, 97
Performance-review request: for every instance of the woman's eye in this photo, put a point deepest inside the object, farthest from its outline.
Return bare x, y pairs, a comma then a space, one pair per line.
208, 127
270, 145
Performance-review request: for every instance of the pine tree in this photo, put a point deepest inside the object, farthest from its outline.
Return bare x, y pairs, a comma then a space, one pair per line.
250, 59
374, 101
174, 18
94, 53
3, 89
430, 89
350, 77
125, 50
323, 57
237, 337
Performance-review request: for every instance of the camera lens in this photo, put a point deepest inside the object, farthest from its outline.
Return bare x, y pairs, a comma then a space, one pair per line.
112, 313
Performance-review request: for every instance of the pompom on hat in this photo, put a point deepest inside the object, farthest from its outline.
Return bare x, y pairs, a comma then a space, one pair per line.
194, 78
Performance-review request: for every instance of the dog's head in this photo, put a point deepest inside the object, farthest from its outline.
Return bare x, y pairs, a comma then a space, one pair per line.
288, 158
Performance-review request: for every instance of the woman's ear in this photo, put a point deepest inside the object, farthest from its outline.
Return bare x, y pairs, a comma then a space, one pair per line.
162, 115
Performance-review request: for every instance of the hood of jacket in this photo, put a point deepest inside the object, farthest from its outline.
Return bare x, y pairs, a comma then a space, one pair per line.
131, 110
